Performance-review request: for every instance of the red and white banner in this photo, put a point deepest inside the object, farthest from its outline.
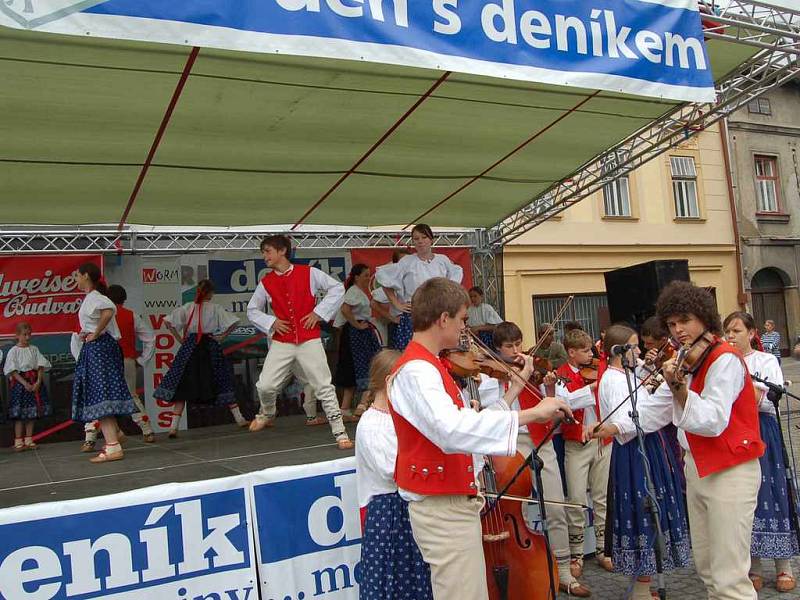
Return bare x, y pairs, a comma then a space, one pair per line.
43, 291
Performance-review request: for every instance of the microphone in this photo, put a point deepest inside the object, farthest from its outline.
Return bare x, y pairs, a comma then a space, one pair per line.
620, 349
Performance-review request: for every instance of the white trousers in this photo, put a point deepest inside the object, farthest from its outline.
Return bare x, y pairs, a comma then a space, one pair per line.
140, 416
447, 530
309, 359
721, 508
587, 467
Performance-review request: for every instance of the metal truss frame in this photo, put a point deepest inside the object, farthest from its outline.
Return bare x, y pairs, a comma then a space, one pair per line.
135, 241
776, 31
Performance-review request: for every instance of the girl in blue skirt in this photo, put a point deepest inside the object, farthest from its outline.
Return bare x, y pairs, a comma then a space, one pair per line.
401, 280
633, 533
200, 372
391, 563
355, 316
28, 401
99, 391
774, 534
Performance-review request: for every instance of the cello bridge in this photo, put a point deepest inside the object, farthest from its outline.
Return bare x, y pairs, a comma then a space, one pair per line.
496, 537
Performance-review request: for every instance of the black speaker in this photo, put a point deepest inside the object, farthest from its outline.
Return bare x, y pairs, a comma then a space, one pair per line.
632, 291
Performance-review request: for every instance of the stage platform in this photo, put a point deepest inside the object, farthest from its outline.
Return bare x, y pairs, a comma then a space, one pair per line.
60, 471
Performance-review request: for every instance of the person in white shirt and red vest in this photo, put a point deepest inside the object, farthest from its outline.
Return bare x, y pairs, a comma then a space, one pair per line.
292, 290
716, 412
436, 438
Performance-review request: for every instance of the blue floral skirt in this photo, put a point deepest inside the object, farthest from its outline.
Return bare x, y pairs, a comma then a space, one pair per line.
774, 535
402, 333
199, 374
633, 532
391, 564
27, 406
364, 345
99, 389
487, 337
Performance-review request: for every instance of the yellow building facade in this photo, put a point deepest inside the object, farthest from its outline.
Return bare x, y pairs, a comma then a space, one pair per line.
677, 206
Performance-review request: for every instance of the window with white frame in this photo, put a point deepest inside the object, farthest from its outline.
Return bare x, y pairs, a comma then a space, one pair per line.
759, 106
684, 187
616, 194
766, 168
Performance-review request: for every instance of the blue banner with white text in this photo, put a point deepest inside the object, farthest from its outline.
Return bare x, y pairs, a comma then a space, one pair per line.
646, 47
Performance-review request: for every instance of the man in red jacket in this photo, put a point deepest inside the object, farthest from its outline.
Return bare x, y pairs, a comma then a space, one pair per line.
292, 290
436, 439
716, 413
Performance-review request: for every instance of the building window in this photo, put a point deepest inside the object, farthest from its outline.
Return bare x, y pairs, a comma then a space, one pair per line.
616, 194
759, 106
590, 310
766, 168
684, 187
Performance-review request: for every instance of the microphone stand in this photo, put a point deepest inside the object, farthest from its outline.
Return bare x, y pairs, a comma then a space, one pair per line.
651, 501
774, 394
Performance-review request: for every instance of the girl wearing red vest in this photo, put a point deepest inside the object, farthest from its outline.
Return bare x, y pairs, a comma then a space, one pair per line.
633, 535
586, 461
28, 399
436, 439
774, 534
507, 340
200, 372
291, 290
716, 413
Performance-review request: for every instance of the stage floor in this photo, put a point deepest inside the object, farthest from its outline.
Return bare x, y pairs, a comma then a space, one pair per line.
59, 471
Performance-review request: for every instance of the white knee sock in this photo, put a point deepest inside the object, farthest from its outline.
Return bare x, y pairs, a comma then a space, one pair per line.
90, 430
237, 414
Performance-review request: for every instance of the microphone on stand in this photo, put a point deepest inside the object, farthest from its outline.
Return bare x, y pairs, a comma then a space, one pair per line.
620, 349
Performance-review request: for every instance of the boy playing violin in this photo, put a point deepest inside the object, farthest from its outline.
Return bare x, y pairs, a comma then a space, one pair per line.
436, 439
714, 406
587, 460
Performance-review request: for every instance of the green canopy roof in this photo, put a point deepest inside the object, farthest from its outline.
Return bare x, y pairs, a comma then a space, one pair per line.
259, 139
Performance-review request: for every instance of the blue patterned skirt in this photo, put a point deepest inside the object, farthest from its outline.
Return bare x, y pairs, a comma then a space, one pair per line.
402, 332
99, 389
199, 374
487, 337
27, 406
633, 532
391, 564
773, 531
364, 345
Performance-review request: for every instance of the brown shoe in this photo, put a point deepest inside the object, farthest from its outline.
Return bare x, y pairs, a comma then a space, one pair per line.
576, 567
88, 447
316, 421
758, 581
605, 563
259, 424
575, 588
244, 424
785, 583
149, 438
105, 457
173, 433
345, 444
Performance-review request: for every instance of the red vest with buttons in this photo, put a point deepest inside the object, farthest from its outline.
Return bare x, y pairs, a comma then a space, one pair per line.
574, 431
291, 300
127, 331
528, 398
741, 440
421, 466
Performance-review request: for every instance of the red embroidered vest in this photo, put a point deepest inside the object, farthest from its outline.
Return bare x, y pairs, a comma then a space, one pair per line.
574, 431
741, 441
127, 331
291, 300
529, 398
421, 466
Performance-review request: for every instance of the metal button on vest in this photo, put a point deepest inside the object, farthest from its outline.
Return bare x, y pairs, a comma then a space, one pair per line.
745, 442
472, 485
440, 468
469, 469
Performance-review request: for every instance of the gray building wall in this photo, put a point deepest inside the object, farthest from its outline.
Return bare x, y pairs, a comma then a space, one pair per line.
770, 241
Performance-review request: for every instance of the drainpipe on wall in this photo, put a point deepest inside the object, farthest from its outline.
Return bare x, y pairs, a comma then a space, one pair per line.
741, 297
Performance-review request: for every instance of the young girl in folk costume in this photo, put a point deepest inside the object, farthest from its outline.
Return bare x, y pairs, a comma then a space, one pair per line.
28, 401
355, 315
391, 564
200, 373
633, 534
774, 535
99, 391
402, 279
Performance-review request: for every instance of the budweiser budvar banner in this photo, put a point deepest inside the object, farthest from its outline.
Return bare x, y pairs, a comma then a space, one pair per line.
43, 291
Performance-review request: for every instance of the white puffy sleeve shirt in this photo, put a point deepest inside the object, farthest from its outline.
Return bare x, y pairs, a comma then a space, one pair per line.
89, 314
25, 359
407, 274
484, 314
358, 302
376, 453
654, 413
417, 394
765, 366
146, 335
215, 319
321, 283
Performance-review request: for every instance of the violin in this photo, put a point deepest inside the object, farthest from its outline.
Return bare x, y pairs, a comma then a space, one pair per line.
691, 356
468, 364
589, 371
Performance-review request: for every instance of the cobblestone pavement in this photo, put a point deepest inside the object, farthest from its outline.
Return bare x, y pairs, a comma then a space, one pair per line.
684, 584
